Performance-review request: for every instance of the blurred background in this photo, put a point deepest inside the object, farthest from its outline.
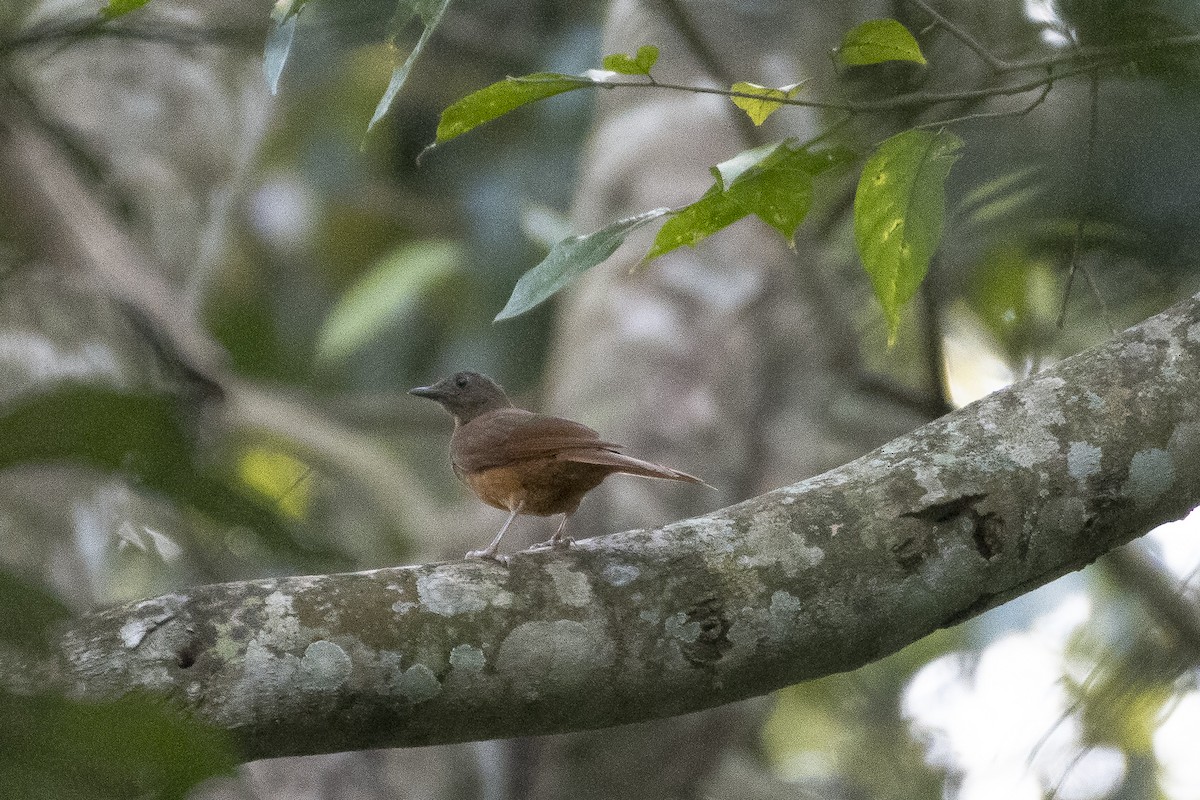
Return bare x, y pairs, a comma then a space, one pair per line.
213, 299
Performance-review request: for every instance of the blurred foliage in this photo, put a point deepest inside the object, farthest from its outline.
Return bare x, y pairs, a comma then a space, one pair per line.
279, 476
26, 612
849, 728
333, 203
53, 748
1100, 23
142, 436
384, 292
349, 273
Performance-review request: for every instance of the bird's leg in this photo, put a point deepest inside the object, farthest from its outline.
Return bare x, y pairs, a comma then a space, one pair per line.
557, 540
490, 550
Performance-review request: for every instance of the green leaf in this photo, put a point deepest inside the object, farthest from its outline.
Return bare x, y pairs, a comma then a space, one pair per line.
876, 41
118, 8
765, 101
779, 193
695, 222
137, 746
383, 292
284, 16
502, 97
430, 13
640, 64
773, 182
570, 258
898, 212
733, 168
26, 611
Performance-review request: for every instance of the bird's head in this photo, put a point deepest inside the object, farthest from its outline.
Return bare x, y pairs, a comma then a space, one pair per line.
465, 395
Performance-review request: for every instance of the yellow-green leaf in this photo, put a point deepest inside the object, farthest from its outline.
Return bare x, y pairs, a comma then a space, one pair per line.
765, 101
502, 97
279, 477
640, 64
695, 222
898, 211
876, 41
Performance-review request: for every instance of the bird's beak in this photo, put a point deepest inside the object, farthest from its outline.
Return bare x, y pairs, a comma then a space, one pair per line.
430, 392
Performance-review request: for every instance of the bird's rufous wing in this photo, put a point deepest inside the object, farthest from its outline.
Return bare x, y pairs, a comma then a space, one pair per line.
502, 437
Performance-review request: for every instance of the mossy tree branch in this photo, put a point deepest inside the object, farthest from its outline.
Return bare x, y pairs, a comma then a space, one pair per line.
823, 576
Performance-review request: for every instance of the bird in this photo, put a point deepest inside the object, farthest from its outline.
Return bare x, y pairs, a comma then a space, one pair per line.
524, 462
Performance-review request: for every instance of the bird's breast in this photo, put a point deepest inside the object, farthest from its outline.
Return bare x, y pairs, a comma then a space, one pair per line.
543, 487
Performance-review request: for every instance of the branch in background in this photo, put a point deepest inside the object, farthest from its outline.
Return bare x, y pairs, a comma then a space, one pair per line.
59, 33
1139, 573
823, 576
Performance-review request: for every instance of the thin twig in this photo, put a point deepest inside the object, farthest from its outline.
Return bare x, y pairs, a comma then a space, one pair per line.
1073, 263
910, 100
1017, 112
1076, 243
1072, 56
993, 61
1076, 55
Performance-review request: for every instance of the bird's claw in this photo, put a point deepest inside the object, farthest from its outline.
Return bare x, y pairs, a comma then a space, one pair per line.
487, 555
554, 543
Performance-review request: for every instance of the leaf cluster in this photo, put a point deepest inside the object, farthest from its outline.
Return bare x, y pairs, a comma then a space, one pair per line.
898, 209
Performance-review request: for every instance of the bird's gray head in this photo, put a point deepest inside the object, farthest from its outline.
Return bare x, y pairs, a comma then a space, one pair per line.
465, 395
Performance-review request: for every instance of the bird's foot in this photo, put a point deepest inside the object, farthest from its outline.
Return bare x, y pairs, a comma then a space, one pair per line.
489, 555
555, 543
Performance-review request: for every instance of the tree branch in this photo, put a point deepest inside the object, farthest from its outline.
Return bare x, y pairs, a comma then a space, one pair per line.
820, 577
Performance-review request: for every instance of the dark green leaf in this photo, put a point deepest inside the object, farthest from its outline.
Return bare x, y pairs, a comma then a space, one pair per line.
570, 258
898, 212
118, 8
134, 747
430, 13
640, 64
876, 41
502, 97
26, 611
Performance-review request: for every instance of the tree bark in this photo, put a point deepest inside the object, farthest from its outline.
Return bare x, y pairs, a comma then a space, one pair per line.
818, 577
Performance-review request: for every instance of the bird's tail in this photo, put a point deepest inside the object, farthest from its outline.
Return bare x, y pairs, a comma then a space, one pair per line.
631, 465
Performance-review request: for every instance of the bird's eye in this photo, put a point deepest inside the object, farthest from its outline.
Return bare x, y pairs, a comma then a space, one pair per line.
461, 381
